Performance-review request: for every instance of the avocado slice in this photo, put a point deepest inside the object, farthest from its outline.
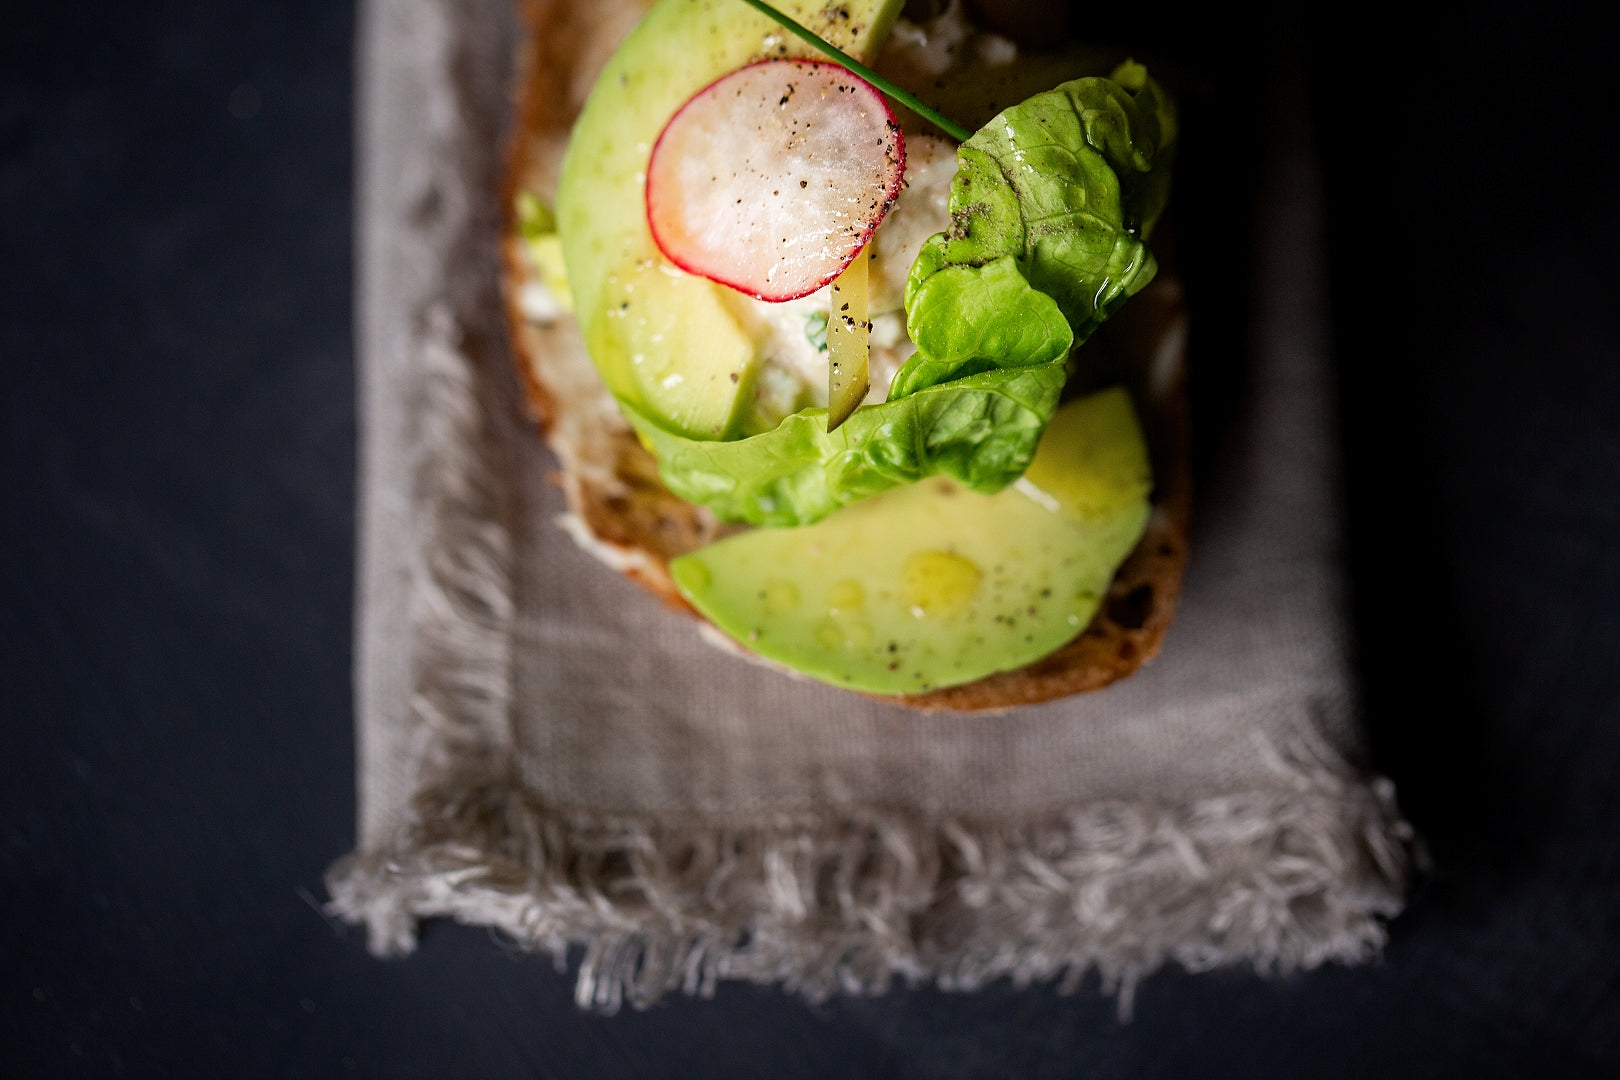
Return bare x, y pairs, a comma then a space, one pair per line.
933, 585
668, 342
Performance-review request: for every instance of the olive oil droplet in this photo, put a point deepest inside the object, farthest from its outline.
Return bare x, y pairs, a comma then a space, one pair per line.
780, 596
850, 634
939, 584
845, 596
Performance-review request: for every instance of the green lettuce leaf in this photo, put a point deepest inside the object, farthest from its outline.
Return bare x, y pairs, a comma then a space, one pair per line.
981, 430
999, 321
1053, 199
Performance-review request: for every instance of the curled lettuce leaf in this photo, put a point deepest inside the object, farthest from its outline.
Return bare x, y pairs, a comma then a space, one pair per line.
999, 321
1050, 210
981, 430
1053, 199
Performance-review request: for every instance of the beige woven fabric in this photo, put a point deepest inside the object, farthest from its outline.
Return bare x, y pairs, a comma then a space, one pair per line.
546, 750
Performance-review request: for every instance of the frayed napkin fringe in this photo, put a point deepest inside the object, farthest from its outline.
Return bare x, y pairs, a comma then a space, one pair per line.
1281, 879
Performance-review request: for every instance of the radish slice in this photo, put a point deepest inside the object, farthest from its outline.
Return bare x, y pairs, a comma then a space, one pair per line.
773, 177
848, 344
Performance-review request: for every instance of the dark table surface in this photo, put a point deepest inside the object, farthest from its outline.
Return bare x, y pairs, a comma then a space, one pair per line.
176, 515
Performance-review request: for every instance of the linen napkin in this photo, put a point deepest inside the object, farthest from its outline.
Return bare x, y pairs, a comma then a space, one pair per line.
544, 749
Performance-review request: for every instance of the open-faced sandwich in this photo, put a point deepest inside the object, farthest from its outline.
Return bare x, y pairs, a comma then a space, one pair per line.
827, 366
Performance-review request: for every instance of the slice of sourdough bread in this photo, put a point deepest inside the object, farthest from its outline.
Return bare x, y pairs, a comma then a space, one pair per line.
620, 511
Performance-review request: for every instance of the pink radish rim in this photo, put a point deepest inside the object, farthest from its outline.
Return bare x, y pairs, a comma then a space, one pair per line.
891, 193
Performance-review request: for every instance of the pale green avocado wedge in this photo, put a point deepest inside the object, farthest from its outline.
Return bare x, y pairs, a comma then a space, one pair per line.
932, 585
667, 342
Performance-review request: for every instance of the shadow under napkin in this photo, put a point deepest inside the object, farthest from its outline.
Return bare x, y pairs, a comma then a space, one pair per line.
546, 750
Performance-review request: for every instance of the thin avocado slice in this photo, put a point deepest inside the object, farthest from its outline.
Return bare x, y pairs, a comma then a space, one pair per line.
848, 343
932, 585
666, 341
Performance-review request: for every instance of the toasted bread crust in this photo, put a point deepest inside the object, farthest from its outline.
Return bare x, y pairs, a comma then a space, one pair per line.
635, 525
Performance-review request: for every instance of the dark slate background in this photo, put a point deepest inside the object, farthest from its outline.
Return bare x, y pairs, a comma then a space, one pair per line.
176, 547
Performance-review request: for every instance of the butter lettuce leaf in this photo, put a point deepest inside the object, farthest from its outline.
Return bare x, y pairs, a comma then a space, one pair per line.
1060, 193
981, 430
999, 321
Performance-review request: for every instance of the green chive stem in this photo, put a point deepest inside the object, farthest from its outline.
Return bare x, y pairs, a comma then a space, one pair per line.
945, 124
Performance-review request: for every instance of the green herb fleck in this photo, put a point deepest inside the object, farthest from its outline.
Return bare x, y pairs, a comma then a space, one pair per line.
815, 330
